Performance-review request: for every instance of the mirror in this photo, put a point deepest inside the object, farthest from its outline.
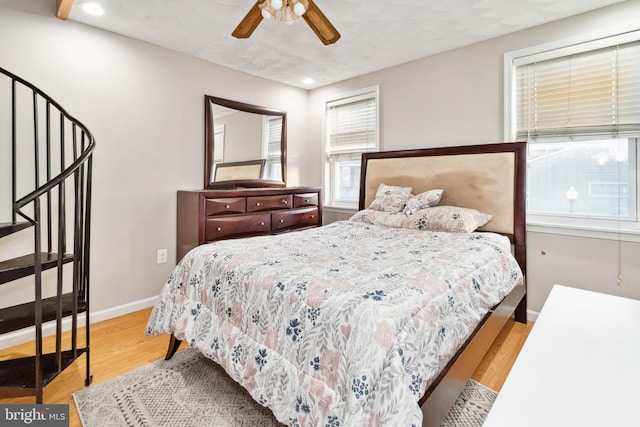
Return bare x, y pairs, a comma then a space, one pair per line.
243, 134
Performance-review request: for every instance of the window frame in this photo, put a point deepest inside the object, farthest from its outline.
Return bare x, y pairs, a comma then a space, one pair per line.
614, 229
330, 201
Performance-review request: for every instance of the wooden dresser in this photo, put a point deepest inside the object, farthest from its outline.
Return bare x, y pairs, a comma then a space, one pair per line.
210, 215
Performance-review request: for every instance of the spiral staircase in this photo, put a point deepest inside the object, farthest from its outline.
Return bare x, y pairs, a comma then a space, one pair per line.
45, 206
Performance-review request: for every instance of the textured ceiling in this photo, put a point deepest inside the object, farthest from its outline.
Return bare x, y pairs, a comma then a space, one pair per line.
376, 34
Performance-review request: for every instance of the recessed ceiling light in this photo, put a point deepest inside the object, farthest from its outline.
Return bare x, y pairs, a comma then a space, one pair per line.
308, 81
93, 9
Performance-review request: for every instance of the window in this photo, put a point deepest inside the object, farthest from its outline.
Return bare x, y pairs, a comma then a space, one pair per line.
218, 144
352, 128
582, 179
271, 148
578, 107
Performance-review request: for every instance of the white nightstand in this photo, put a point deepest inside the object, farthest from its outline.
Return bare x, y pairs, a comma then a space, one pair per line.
580, 365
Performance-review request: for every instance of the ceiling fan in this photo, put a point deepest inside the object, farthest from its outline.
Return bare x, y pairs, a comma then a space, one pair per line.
288, 11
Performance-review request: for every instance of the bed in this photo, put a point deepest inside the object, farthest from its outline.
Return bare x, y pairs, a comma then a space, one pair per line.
373, 321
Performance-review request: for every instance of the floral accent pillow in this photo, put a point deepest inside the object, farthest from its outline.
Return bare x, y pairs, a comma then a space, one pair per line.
447, 218
391, 198
428, 199
387, 219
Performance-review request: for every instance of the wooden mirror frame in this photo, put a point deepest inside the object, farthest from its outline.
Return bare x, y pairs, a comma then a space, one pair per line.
209, 183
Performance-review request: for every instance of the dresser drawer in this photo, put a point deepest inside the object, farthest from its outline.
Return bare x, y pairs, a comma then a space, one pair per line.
222, 227
223, 206
294, 219
305, 199
265, 203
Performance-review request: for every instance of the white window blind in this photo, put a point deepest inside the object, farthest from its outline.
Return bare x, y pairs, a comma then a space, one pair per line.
352, 128
594, 94
271, 148
352, 124
274, 132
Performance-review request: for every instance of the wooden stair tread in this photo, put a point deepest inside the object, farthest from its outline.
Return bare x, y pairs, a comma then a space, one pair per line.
23, 315
17, 376
23, 266
7, 228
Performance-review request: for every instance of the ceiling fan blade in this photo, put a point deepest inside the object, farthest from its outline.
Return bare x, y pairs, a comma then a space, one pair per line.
249, 23
320, 25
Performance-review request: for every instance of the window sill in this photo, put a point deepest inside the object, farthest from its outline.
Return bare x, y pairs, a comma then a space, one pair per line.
341, 209
625, 234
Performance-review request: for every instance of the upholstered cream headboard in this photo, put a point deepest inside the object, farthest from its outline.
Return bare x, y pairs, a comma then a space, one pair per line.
489, 178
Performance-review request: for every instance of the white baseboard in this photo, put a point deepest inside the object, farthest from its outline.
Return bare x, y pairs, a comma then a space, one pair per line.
28, 334
532, 316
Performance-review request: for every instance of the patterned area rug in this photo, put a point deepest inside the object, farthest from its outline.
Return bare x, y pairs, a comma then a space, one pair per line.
191, 391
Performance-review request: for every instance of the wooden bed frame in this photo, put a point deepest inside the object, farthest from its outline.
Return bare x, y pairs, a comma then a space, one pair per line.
489, 178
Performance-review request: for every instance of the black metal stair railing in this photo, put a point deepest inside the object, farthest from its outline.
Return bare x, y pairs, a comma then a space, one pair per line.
51, 162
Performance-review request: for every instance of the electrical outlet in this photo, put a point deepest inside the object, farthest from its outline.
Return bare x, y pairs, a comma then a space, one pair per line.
161, 257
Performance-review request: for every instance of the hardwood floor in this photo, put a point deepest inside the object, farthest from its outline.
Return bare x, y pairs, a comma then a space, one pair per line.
118, 345
494, 368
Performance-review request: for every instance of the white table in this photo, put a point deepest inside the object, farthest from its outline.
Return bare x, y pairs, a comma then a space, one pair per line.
580, 366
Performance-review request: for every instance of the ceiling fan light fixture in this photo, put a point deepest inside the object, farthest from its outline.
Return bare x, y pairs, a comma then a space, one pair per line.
267, 11
287, 11
299, 7
287, 15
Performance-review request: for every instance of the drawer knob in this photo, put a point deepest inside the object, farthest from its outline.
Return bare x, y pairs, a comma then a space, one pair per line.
284, 201
262, 223
313, 216
227, 206
258, 204
219, 228
306, 200
281, 221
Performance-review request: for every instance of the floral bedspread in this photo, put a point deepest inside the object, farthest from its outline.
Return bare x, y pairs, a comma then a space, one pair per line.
343, 325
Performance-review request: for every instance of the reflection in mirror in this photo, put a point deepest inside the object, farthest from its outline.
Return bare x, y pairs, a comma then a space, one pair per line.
253, 169
238, 133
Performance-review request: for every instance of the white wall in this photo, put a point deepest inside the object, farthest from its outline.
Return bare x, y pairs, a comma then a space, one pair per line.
144, 105
456, 98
